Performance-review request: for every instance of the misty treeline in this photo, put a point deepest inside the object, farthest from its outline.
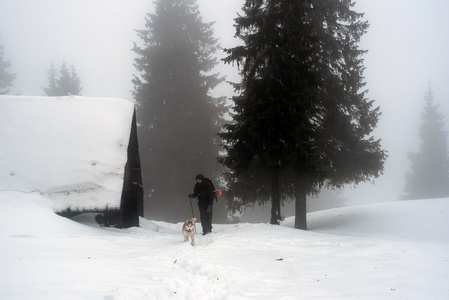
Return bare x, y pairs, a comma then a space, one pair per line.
301, 120
64, 83
6, 77
429, 167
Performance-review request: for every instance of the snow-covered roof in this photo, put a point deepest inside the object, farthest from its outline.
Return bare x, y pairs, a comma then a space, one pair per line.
72, 150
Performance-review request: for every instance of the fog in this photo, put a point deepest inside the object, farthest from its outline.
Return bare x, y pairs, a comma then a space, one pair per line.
407, 42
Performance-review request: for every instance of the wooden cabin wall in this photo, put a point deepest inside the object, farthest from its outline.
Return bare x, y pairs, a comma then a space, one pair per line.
132, 193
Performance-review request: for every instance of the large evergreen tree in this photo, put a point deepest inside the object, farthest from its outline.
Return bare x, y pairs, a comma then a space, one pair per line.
68, 82
429, 169
6, 78
178, 118
301, 119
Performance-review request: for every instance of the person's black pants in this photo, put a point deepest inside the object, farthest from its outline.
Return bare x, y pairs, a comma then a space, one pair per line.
206, 217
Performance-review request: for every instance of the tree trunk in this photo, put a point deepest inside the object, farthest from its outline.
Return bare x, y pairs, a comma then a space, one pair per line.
300, 207
275, 198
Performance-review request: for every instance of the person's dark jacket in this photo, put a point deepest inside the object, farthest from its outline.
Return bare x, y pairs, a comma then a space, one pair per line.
204, 192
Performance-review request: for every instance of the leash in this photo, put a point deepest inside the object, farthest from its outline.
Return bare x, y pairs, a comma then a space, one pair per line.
193, 215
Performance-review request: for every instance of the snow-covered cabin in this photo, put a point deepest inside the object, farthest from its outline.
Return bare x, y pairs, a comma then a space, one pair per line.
80, 153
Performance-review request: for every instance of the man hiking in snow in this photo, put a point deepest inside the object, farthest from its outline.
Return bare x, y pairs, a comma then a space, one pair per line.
205, 192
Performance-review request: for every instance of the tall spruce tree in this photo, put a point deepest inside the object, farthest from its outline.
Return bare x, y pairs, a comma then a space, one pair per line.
429, 169
301, 120
6, 78
68, 82
179, 120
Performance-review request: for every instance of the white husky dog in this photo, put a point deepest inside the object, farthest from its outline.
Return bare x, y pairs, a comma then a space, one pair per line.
188, 229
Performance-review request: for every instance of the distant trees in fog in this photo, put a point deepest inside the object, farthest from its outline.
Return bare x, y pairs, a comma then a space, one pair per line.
64, 83
429, 167
6, 78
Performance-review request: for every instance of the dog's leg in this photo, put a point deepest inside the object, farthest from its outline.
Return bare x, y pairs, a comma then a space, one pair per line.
193, 241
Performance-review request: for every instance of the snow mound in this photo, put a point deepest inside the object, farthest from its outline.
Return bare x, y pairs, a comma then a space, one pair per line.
416, 220
31, 215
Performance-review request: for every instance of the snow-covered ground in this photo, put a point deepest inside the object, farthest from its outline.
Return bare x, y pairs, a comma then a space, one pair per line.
394, 250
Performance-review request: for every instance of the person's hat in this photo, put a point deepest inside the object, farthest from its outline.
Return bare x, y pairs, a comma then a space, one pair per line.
199, 176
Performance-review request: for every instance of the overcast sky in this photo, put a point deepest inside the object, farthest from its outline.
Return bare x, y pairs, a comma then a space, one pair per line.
408, 46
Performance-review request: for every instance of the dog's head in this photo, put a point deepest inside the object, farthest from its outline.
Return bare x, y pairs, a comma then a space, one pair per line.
190, 224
